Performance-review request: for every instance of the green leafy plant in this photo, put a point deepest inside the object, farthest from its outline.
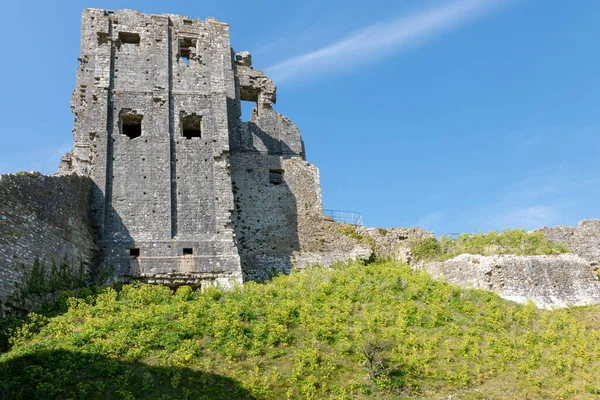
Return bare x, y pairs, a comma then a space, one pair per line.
381, 330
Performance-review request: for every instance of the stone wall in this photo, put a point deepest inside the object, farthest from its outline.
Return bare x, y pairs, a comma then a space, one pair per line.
280, 225
549, 281
46, 217
394, 243
583, 240
278, 216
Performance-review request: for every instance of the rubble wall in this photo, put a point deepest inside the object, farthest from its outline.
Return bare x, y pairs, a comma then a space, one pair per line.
583, 240
549, 281
278, 216
46, 217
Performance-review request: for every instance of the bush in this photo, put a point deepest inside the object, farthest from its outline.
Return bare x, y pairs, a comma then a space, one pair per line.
426, 249
358, 331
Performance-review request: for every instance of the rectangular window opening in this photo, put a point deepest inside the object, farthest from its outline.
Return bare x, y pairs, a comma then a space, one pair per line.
187, 48
248, 108
134, 252
191, 125
187, 21
132, 130
276, 176
131, 123
129, 38
188, 251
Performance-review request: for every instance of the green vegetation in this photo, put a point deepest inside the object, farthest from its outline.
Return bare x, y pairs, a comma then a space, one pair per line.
40, 282
352, 232
382, 231
33, 174
351, 332
516, 241
41, 279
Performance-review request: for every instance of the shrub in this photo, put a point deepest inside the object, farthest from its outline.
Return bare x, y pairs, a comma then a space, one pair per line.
356, 331
426, 249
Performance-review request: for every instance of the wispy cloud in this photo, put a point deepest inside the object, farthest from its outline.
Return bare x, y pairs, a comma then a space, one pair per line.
384, 38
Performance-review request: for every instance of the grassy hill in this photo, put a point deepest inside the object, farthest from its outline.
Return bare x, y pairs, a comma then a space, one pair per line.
351, 332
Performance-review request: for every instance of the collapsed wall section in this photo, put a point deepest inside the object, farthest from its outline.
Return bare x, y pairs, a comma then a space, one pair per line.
583, 240
549, 281
45, 217
278, 217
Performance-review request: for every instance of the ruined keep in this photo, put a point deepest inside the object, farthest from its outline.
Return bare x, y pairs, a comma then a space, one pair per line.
166, 183
184, 191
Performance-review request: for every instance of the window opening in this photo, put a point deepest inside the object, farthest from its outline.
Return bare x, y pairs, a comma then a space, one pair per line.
191, 125
275, 176
129, 38
187, 251
131, 123
187, 49
134, 252
187, 21
247, 110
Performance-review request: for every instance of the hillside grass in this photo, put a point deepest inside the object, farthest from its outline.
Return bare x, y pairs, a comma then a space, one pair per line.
351, 332
515, 241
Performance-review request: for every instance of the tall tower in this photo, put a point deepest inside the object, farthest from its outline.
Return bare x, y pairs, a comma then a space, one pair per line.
152, 131
185, 192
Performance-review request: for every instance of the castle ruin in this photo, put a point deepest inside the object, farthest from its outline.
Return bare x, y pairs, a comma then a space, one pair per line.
184, 191
166, 184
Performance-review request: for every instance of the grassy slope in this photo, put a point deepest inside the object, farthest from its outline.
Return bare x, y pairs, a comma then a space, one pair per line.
306, 336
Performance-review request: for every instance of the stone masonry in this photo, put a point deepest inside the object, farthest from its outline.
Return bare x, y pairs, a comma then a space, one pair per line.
184, 191
151, 109
583, 240
47, 217
549, 281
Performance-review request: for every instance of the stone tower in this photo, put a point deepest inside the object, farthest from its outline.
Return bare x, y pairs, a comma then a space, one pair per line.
151, 130
184, 191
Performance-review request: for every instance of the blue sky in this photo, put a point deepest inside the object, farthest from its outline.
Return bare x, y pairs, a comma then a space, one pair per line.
456, 116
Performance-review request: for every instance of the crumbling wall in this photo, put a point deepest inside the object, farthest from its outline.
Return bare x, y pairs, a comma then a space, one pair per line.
394, 243
583, 240
46, 217
549, 281
278, 217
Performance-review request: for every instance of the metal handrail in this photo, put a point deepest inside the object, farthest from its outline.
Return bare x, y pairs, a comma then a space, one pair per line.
346, 217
